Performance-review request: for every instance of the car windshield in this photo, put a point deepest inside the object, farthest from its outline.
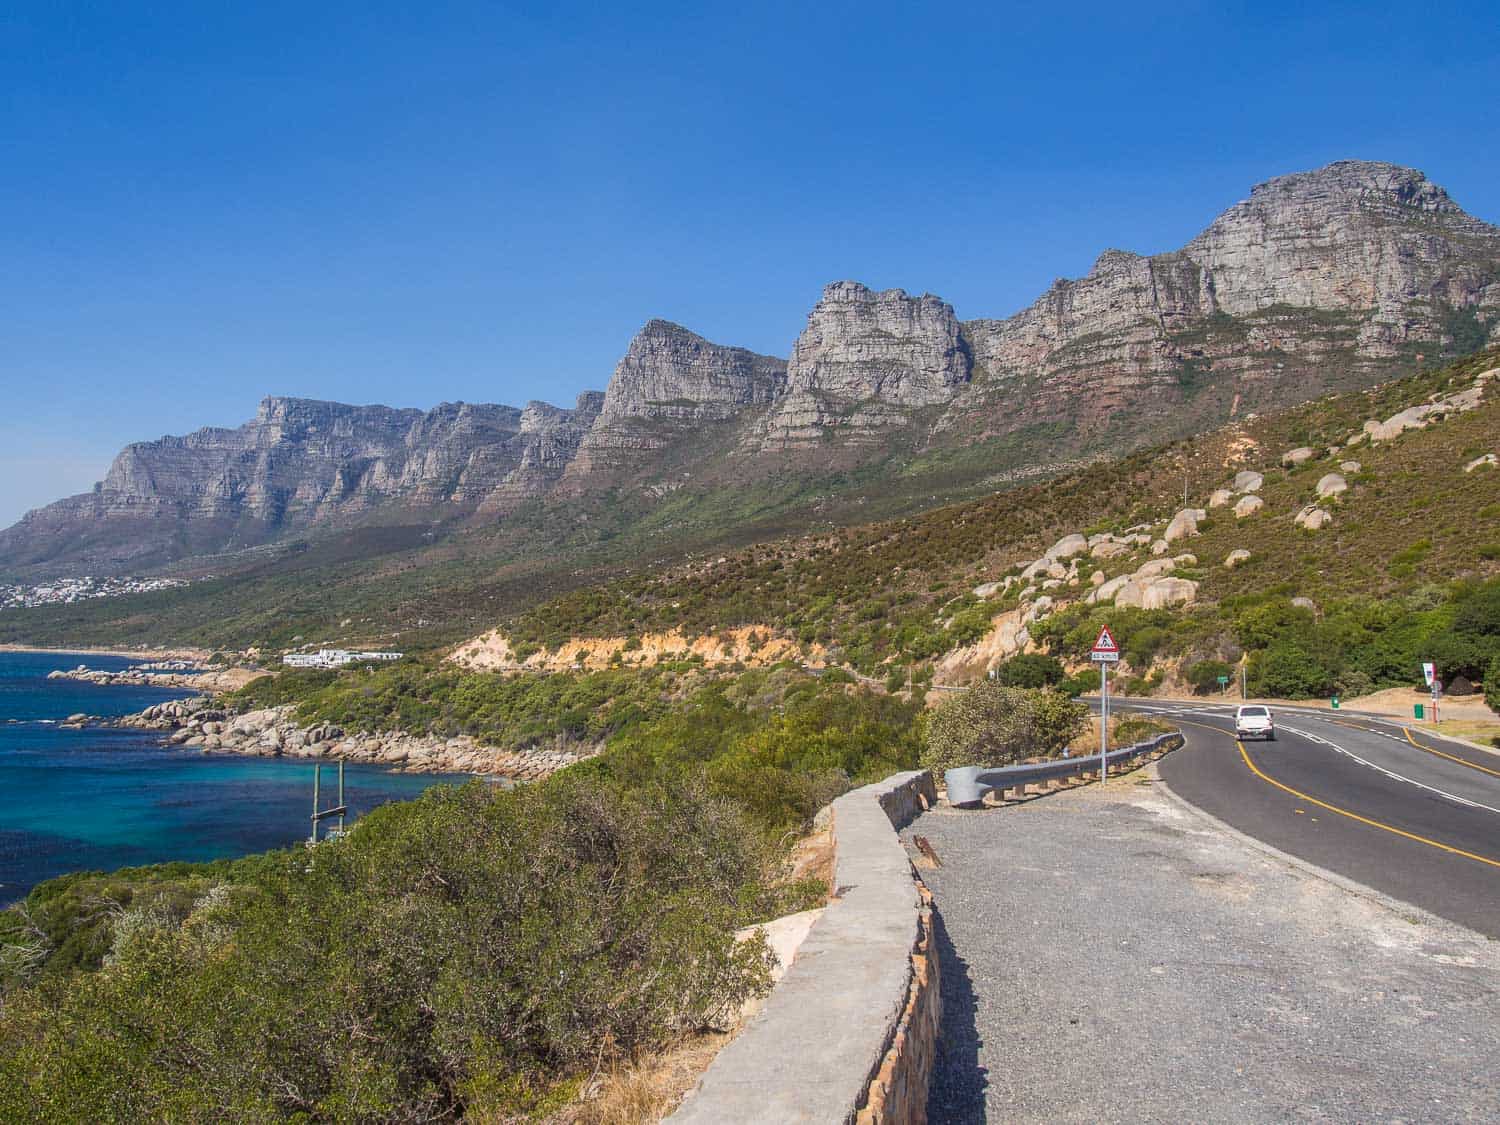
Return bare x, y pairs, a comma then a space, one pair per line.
1254, 712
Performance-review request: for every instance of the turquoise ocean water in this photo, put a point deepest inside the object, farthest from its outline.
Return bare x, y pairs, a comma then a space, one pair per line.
100, 798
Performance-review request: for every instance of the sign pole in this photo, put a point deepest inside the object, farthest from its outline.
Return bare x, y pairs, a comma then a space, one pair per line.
1103, 721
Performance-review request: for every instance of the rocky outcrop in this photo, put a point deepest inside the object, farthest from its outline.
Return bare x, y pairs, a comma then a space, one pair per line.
272, 732
864, 361
669, 381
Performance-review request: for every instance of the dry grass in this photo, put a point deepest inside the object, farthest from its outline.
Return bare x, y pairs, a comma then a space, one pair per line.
645, 1091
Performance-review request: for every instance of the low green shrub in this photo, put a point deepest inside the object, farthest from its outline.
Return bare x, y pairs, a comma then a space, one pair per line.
991, 724
472, 952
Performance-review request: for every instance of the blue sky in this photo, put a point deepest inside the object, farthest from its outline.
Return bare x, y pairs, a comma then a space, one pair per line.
202, 203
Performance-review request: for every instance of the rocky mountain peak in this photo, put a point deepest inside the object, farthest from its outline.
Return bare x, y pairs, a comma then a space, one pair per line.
1366, 181
668, 371
861, 344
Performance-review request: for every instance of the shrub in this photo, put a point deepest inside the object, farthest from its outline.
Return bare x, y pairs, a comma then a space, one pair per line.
1080, 683
1287, 670
472, 952
1030, 670
1492, 685
1204, 675
991, 724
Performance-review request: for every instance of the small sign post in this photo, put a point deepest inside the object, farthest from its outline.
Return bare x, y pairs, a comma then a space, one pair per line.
1104, 653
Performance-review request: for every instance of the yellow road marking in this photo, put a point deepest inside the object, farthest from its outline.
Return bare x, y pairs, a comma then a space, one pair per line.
1344, 812
1451, 757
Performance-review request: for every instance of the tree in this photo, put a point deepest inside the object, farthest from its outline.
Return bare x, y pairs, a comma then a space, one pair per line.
1492, 685
992, 724
1204, 675
1031, 670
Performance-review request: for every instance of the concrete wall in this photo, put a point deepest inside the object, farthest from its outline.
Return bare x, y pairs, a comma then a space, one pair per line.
848, 1035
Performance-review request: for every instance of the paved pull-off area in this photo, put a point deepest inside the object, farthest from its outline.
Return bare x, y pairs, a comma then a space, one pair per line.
1112, 955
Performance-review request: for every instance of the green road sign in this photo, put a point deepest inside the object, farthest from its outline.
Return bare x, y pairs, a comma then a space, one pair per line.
1417, 707
1223, 680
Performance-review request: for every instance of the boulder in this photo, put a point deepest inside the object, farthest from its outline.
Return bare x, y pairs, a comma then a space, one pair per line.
1219, 497
1184, 524
1489, 460
1157, 593
1106, 592
1331, 484
1313, 518
1067, 547
1248, 506
1097, 578
1160, 547
1299, 456
1185, 560
1248, 480
1154, 569
1349, 466
1235, 557
1305, 603
986, 590
1110, 550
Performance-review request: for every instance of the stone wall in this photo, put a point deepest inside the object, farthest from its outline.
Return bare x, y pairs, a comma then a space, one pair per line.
848, 1035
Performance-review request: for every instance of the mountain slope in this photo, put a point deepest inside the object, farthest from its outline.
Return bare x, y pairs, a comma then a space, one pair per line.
1320, 281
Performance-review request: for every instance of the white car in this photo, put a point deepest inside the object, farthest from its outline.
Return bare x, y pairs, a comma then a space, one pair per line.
1254, 721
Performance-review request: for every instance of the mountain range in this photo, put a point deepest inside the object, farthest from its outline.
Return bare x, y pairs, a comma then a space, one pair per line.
1320, 281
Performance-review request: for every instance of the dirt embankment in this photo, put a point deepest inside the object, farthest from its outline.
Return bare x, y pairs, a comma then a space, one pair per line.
750, 645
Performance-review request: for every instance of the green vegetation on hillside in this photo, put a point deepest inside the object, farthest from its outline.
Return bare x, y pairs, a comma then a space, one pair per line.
1412, 534
477, 951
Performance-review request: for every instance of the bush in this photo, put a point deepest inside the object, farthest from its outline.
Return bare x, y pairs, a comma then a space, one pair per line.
1492, 685
991, 724
472, 952
1204, 675
1080, 683
1287, 670
1030, 670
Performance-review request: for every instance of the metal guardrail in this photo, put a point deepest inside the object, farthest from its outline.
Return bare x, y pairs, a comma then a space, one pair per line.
967, 785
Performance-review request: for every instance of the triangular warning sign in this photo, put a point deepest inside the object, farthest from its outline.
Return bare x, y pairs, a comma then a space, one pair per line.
1106, 641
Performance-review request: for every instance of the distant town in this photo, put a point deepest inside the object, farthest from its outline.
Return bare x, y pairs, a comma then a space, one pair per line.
335, 658
61, 590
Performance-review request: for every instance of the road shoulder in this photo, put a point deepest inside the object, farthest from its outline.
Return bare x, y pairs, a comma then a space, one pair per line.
1115, 954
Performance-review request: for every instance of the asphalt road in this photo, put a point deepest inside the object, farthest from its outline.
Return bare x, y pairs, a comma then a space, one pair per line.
1387, 805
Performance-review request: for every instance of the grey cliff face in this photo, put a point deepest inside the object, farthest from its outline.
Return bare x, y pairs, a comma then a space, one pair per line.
1318, 281
865, 360
1349, 264
669, 381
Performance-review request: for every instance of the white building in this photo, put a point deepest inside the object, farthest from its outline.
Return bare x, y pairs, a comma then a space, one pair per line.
335, 658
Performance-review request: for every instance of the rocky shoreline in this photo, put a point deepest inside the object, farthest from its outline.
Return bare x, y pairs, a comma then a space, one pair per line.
272, 732
163, 674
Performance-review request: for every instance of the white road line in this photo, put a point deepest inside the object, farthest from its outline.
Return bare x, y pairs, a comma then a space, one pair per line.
1320, 740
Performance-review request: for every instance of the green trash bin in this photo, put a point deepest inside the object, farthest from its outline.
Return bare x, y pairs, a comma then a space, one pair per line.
1334, 703
1417, 707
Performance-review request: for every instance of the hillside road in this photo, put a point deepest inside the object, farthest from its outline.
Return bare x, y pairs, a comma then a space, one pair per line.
1387, 805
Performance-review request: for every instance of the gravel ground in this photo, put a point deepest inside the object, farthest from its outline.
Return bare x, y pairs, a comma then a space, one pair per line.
1112, 956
